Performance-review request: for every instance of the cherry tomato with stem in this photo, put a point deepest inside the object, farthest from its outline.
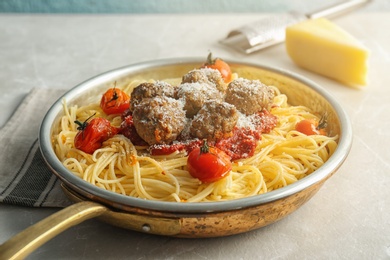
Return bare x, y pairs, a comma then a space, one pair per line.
91, 135
114, 101
220, 65
208, 163
312, 127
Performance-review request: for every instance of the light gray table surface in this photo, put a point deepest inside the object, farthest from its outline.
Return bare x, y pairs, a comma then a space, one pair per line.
349, 218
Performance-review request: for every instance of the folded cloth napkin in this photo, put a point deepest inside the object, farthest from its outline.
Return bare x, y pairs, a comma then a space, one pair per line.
24, 177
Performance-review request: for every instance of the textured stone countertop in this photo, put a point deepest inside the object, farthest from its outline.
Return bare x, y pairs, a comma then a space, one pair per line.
349, 218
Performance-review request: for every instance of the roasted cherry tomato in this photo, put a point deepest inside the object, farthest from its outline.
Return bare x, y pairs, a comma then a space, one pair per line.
219, 65
92, 134
311, 126
114, 101
208, 164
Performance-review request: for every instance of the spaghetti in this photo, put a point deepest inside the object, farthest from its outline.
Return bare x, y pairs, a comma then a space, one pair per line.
281, 157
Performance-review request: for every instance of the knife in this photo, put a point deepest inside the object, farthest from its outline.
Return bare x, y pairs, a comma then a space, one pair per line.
271, 30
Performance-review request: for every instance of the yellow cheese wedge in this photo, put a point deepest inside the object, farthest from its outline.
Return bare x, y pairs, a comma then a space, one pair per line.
321, 46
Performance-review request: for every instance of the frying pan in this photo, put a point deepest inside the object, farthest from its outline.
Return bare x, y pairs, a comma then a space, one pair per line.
190, 220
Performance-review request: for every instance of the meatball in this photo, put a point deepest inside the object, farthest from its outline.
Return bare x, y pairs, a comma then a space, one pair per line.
249, 96
159, 120
215, 120
206, 75
149, 90
194, 95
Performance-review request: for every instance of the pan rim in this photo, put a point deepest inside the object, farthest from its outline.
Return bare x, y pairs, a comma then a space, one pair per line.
334, 162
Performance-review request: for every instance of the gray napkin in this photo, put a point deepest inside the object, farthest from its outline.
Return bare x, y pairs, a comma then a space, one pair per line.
24, 177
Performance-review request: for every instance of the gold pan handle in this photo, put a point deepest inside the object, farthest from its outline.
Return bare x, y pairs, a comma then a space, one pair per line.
22, 244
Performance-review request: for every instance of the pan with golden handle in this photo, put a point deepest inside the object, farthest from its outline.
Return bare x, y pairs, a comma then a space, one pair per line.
215, 224
28, 240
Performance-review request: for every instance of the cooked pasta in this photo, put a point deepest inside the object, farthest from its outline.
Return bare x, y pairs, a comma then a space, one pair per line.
282, 157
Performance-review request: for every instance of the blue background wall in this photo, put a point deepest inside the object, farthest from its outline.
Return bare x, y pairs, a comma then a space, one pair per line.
170, 6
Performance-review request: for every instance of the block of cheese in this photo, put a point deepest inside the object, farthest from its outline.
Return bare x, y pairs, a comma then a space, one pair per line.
323, 47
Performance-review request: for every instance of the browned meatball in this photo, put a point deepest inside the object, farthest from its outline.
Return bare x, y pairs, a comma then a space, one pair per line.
159, 120
194, 95
206, 75
249, 96
149, 90
215, 120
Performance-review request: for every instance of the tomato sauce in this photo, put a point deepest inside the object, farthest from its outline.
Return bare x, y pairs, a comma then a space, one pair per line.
268, 121
127, 129
165, 149
241, 144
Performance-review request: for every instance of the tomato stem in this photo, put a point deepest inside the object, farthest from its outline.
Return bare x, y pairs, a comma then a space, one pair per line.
210, 59
84, 124
115, 95
323, 122
205, 147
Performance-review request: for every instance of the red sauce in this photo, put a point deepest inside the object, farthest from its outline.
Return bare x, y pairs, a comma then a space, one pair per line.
165, 149
241, 144
127, 129
268, 121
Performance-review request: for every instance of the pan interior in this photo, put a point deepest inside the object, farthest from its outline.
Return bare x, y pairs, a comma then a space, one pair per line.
298, 89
